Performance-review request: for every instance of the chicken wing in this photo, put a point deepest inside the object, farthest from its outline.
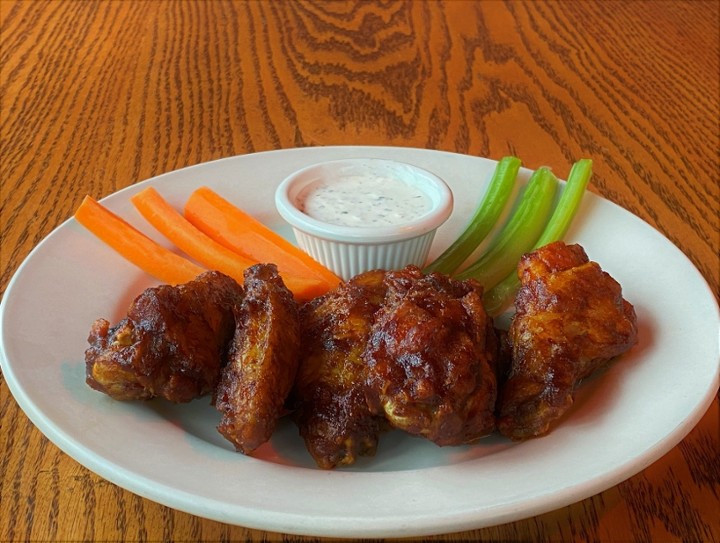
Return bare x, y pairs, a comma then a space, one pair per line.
331, 411
431, 358
172, 343
262, 362
570, 320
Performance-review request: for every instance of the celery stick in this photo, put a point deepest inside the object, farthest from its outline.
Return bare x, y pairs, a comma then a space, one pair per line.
483, 220
497, 298
520, 233
569, 203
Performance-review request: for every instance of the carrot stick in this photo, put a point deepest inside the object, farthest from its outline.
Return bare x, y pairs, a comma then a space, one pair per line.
234, 229
169, 222
135, 246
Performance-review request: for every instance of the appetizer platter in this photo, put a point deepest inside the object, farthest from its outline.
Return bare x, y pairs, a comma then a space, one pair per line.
173, 454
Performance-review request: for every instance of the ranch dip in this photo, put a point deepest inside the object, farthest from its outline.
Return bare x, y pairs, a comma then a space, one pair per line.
364, 201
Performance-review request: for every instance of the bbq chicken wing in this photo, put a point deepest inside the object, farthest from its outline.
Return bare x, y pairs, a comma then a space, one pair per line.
570, 320
331, 411
431, 358
262, 362
172, 343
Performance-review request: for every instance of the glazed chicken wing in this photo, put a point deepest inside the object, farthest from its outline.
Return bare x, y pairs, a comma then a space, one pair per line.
172, 343
431, 358
262, 362
331, 411
570, 320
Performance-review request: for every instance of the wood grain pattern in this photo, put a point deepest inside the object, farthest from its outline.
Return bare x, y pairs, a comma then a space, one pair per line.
98, 95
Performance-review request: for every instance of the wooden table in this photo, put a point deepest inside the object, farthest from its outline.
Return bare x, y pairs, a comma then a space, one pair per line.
98, 95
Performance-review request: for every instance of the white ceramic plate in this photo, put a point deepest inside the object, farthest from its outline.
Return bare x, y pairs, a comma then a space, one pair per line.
623, 419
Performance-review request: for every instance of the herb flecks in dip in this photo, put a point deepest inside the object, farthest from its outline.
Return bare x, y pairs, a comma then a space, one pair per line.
365, 201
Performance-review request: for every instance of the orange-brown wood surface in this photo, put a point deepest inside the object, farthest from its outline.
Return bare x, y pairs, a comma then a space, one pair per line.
98, 95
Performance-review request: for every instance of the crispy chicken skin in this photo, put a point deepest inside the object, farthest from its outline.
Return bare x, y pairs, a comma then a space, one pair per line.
262, 362
431, 358
172, 343
570, 320
331, 411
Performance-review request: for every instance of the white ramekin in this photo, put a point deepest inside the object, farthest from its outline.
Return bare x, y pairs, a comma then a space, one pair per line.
349, 250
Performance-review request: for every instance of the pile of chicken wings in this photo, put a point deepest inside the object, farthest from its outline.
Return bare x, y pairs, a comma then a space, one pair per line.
387, 349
